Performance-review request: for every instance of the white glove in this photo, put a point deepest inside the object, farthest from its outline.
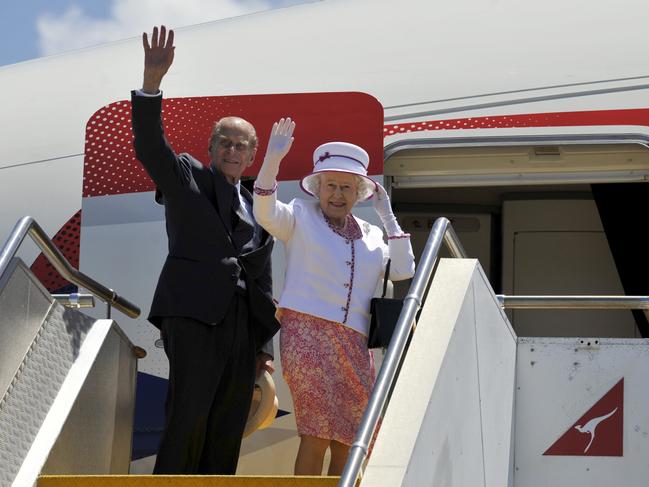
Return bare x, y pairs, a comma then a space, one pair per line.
279, 143
381, 203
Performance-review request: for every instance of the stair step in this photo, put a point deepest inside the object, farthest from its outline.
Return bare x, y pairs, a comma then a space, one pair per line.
183, 481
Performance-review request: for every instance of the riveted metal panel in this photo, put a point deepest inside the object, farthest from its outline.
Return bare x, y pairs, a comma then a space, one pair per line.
561, 384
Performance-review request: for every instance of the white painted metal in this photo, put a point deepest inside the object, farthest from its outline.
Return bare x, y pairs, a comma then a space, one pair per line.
48, 192
415, 54
140, 248
457, 386
558, 380
20, 318
495, 351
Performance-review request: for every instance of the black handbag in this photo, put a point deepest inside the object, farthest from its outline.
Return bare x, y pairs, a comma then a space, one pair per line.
384, 314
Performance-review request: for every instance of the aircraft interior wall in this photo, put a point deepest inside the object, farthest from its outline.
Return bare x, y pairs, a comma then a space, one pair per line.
535, 240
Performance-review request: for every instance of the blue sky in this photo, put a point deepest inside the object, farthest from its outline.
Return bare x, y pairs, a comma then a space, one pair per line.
18, 25
34, 28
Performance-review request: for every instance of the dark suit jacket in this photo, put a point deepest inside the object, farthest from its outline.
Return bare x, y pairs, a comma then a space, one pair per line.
200, 275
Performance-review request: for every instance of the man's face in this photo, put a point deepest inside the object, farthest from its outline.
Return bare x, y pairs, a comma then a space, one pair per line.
232, 151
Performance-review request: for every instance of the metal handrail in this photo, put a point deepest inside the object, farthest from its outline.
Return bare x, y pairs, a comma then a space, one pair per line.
442, 231
29, 226
573, 302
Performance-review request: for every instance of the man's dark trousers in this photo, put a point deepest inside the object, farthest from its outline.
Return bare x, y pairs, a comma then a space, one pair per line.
209, 396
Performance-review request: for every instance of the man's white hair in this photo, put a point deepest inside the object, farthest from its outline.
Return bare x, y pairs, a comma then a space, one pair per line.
312, 185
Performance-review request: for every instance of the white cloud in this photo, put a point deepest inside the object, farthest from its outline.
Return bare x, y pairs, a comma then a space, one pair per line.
129, 18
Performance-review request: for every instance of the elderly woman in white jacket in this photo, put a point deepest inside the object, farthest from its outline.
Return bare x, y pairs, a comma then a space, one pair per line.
334, 262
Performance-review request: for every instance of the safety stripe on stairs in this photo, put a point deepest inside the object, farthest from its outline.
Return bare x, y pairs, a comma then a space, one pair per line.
183, 481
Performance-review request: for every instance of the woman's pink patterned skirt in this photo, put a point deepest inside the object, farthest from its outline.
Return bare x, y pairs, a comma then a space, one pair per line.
330, 373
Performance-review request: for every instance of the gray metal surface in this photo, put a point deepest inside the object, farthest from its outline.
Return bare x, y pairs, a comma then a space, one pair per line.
24, 303
69, 386
574, 302
96, 437
35, 386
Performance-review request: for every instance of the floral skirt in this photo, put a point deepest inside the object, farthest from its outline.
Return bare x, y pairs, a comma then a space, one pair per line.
330, 373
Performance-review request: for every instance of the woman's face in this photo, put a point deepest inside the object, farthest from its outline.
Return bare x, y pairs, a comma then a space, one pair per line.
338, 194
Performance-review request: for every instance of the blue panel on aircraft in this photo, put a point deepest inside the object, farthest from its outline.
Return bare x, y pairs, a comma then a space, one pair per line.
149, 415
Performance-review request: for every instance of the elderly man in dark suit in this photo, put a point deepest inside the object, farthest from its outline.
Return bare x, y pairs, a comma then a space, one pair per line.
213, 302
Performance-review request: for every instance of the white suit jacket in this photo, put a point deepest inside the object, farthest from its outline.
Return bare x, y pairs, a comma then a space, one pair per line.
327, 275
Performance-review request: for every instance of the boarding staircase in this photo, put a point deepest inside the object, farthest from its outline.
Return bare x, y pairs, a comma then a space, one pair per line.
67, 381
469, 404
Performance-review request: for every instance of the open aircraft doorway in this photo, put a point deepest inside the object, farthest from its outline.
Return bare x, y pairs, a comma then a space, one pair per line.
543, 216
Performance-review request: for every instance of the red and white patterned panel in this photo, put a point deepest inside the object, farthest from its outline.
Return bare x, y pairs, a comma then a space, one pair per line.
110, 166
67, 241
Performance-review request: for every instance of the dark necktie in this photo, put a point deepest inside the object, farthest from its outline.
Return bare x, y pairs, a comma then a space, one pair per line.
242, 229
236, 209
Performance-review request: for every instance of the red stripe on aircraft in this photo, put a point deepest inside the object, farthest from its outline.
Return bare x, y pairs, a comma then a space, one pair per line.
558, 119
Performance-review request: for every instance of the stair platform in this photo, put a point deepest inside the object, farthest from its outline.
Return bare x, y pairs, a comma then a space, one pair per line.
184, 481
